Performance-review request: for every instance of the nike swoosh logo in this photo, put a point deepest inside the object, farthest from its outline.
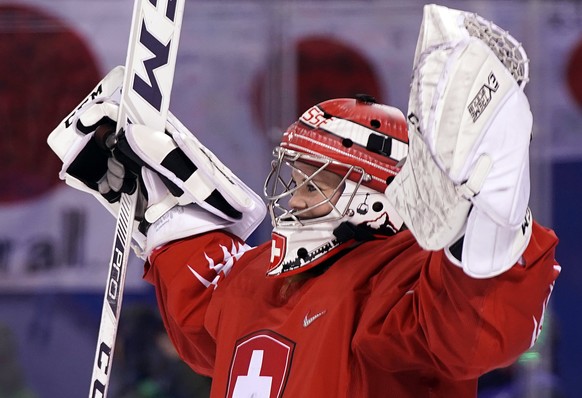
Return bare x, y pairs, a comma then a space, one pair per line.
309, 320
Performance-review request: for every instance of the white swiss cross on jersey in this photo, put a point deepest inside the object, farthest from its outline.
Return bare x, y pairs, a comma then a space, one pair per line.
260, 366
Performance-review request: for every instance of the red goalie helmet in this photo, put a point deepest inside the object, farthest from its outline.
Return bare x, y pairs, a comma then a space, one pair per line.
360, 141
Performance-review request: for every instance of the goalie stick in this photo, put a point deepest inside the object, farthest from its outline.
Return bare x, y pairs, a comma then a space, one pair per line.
145, 96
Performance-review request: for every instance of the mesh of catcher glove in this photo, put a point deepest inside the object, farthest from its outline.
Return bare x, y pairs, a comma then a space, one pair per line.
505, 47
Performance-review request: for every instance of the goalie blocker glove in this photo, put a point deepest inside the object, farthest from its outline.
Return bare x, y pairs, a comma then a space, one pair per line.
184, 189
465, 184
185, 173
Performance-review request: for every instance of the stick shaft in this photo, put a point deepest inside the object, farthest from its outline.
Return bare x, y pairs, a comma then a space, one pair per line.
145, 99
112, 299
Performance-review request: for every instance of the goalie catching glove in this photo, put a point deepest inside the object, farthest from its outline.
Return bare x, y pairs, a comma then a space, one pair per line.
184, 189
467, 173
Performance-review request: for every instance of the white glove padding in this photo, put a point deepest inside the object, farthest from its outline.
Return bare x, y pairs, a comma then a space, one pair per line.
174, 222
194, 175
64, 139
470, 128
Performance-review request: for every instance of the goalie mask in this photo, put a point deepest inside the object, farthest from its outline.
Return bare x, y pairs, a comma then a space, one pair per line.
342, 154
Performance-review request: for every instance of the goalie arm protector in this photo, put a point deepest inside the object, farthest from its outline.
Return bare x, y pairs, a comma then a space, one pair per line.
469, 326
185, 274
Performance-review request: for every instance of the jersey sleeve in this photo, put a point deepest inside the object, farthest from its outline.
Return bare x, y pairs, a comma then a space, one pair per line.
185, 275
456, 325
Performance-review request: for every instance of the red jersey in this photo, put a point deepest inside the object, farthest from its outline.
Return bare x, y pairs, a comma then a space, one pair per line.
387, 319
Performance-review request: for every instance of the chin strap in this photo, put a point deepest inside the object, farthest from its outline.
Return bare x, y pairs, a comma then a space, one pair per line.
347, 231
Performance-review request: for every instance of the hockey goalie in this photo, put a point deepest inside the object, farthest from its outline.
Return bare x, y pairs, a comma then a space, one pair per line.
404, 261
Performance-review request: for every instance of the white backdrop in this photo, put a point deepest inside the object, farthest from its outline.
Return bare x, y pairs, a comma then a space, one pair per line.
62, 239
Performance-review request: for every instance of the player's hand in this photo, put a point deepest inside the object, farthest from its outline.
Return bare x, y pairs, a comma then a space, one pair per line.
95, 161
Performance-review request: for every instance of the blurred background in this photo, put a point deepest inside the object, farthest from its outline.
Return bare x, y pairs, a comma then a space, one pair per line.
245, 70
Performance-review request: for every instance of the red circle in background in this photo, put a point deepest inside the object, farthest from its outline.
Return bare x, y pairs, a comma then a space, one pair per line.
574, 74
329, 68
47, 69
326, 68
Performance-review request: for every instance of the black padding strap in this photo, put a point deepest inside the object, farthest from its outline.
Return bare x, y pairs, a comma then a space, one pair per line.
216, 200
90, 165
177, 162
379, 144
456, 249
